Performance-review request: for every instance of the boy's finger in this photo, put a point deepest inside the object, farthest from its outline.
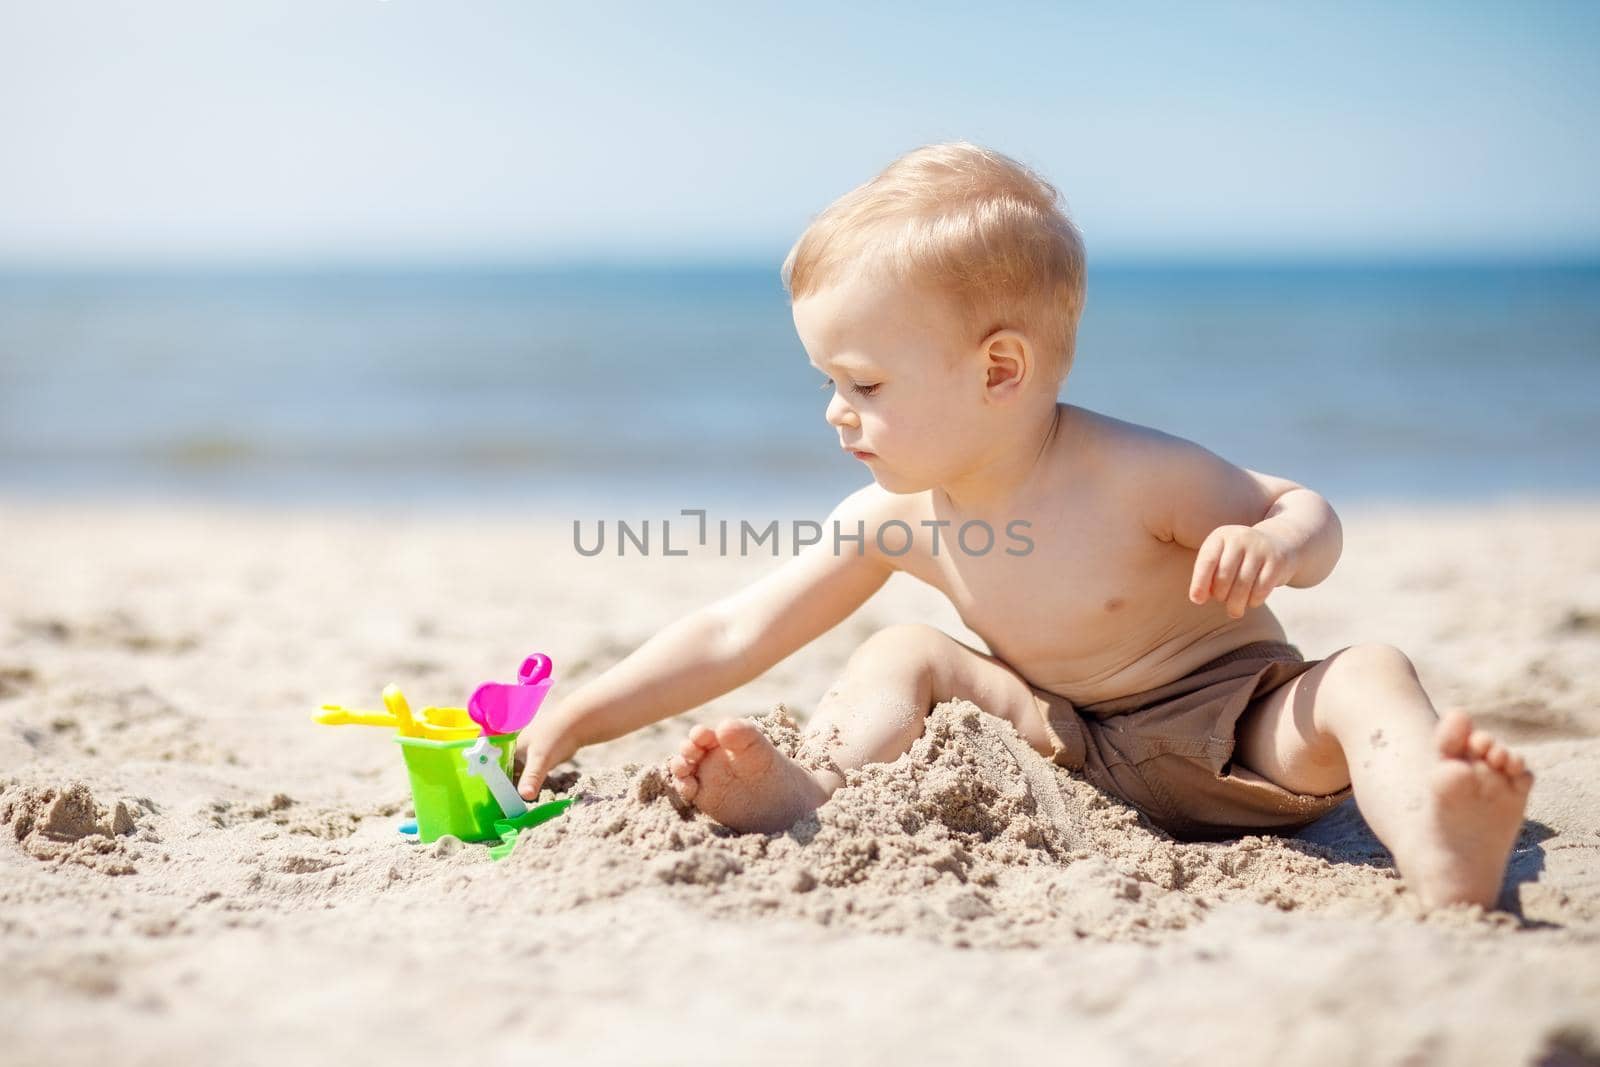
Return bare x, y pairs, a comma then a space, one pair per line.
532, 778
1243, 587
1266, 582
1227, 570
1205, 566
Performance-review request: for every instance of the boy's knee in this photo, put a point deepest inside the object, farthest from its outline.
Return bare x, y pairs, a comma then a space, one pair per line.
1358, 681
907, 644
905, 638
1372, 660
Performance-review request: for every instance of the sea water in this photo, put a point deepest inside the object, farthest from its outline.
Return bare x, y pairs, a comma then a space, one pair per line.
687, 386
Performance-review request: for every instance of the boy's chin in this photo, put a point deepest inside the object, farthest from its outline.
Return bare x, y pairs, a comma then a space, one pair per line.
891, 482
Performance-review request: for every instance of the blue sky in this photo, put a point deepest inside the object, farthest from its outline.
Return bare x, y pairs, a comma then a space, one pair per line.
176, 130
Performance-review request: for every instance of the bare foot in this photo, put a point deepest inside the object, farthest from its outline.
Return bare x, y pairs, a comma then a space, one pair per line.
1476, 795
736, 776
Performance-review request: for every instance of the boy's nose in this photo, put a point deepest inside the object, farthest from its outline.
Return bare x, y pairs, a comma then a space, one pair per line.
839, 413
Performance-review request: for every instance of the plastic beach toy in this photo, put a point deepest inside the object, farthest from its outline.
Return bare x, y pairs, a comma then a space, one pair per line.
505, 709
483, 762
459, 759
449, 799
534, 816
437, 724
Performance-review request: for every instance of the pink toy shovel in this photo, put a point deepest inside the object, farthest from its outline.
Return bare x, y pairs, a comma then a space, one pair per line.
504, 709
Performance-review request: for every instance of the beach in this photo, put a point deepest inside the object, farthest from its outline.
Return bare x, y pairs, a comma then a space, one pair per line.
191, 870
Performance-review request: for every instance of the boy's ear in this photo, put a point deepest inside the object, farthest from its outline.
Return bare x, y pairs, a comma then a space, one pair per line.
1008, 363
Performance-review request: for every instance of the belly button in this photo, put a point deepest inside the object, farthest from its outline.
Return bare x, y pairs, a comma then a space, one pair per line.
1114, 603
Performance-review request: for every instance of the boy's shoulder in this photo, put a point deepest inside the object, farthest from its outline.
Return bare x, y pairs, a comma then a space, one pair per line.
872, 510
1114, 440
1138, 464
1168, 481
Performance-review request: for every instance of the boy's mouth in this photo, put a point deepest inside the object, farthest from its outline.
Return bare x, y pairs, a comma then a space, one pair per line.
859, 454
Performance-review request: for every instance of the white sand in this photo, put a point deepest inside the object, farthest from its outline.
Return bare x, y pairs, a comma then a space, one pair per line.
190, 871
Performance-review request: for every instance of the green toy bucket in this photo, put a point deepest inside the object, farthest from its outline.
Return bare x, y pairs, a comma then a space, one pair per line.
447, 798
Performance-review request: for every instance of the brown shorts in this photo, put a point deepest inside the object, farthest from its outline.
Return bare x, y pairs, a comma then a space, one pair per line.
1168, 751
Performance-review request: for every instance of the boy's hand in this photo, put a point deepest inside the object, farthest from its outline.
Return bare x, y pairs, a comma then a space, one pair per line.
1240, 565
546, 743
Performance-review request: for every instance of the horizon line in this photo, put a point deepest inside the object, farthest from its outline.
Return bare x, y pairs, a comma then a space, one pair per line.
1568, 260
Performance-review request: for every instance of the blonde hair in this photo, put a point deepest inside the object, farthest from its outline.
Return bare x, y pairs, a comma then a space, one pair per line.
972, 224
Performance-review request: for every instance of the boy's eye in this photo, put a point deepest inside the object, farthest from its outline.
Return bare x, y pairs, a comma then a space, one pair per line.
862, 390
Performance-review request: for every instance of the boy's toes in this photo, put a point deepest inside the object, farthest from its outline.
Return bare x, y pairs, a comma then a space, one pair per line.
1496, 760
702, 737
1452, 733
1478, 744
691, 752
684, 781
1515, 770
738, 735
1497, 757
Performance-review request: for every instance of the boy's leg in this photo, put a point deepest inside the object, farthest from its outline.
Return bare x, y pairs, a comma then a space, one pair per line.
1445, 799
872, 714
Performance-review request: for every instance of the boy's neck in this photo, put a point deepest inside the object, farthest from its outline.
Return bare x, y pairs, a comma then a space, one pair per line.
993, 487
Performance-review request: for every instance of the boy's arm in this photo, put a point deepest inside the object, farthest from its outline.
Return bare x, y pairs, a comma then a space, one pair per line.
715, 649
1251, 532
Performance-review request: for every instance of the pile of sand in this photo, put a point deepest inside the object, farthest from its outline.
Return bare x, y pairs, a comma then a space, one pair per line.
970, 838
68, 825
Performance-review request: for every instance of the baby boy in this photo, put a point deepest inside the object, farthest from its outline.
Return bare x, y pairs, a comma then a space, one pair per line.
1125, 616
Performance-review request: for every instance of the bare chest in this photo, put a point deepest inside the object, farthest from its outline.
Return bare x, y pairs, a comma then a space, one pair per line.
1070, 600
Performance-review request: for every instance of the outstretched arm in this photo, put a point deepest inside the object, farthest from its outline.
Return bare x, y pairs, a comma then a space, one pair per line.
711, 651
